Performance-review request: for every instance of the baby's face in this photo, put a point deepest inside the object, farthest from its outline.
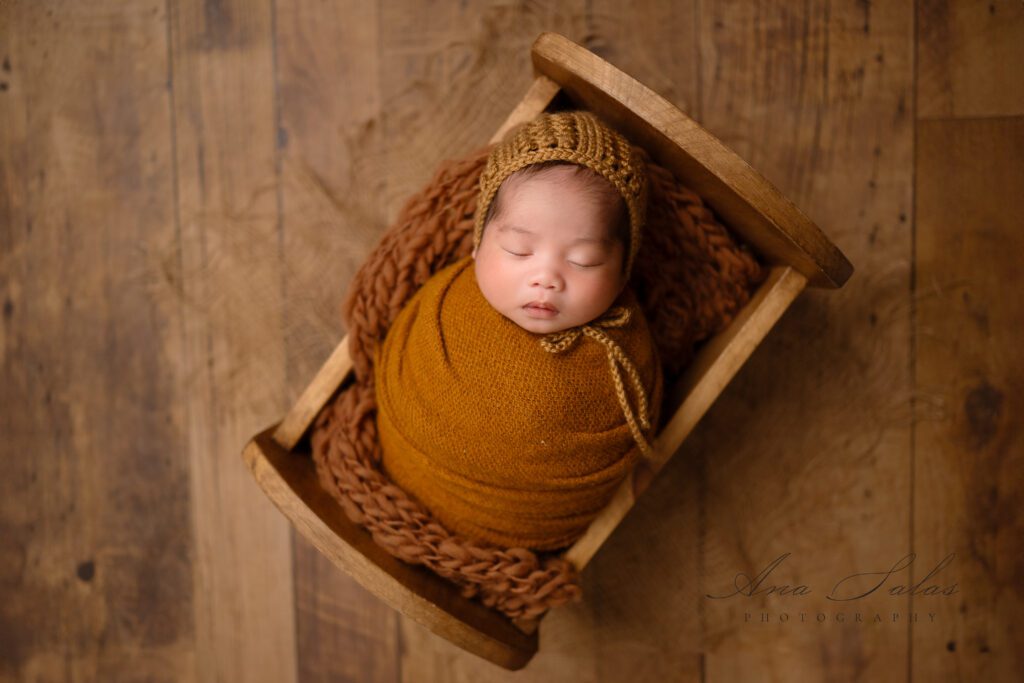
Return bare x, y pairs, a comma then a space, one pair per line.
548, 261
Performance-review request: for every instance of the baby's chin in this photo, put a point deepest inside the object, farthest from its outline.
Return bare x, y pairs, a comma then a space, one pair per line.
538, 325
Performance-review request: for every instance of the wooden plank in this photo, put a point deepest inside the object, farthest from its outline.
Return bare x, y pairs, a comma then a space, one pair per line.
655, 42
807, 452
449, 75
95, 540
234, 361
332, 177
970, 373
970, 57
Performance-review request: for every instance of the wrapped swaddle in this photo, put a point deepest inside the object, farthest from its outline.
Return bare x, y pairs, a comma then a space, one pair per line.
501, 438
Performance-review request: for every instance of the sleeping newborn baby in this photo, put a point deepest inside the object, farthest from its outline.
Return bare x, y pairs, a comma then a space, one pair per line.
518, 387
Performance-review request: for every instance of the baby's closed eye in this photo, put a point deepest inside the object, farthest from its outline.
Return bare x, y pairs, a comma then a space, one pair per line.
588, 257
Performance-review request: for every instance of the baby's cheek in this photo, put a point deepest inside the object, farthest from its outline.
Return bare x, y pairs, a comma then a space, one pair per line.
493, 281
608, 289
498, 276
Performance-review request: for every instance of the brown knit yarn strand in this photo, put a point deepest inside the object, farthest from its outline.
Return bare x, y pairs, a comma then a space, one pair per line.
618, 316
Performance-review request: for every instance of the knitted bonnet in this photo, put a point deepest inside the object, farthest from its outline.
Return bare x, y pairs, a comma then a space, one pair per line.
577, 137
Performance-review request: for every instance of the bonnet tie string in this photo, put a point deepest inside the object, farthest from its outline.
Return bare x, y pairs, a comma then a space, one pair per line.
556, 342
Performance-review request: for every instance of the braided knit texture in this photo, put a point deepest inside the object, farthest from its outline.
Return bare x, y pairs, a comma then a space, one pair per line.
690, 277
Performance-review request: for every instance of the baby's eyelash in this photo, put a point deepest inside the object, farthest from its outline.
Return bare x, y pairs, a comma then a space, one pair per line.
578, 265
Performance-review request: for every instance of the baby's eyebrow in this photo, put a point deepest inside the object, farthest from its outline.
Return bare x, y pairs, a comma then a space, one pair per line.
598, 240
516, 228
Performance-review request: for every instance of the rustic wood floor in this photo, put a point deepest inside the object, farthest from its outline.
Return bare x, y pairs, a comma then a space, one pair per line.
186, 189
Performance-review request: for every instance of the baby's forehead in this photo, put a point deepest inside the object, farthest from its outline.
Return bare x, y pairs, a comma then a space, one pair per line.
562, 173
595, 190
573, 178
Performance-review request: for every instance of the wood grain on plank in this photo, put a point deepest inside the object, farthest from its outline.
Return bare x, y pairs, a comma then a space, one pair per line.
656, 45
234, 360
95, 540
332, 177
449, 75
970, 57
969, 451
807, 452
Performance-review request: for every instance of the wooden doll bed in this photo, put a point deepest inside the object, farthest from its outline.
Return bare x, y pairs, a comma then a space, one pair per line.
798, 255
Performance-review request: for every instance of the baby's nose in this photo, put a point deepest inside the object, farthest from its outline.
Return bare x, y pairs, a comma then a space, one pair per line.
546, 278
